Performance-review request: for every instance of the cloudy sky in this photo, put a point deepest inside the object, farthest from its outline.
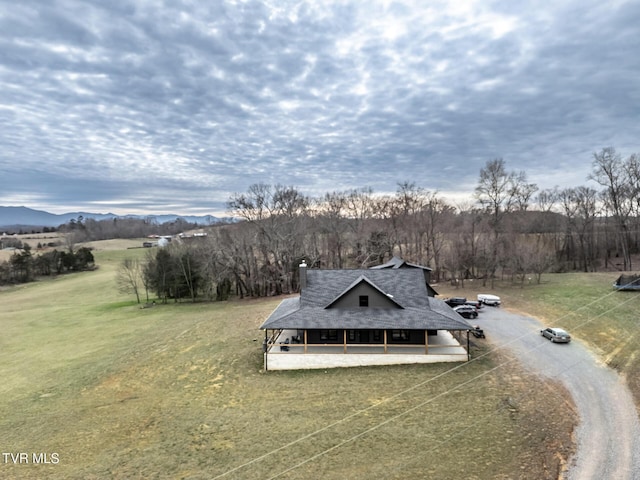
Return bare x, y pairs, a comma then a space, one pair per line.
136, 106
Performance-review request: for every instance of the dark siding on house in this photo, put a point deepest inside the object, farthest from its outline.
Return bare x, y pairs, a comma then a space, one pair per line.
376, 299
316, 336
332, 337
416, 337
369, 337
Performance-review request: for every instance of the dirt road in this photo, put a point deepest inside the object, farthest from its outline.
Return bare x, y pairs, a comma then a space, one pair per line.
608, 435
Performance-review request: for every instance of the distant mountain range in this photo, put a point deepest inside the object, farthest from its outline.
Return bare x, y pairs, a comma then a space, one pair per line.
27, 217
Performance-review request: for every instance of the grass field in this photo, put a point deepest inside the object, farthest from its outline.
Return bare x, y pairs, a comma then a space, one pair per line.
177, 391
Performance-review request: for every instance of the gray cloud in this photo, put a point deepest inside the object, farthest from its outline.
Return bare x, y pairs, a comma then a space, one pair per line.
145, 106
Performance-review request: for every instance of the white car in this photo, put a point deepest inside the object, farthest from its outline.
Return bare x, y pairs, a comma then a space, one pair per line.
492, 300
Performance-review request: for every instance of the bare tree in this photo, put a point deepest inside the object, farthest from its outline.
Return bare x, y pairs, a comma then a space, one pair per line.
609, 171
129, 277
387, 210
495, 193
360, 210
632, 170
459, 258
278, 215
238, 244
531, 255
501, 192
580, 212
542, 257
587, 213
333, 221
291, 222
214, 267
495, 190
521, 192
410, 200
547, 199
472, 225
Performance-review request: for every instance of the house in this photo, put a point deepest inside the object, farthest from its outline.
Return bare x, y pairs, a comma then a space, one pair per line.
363, 317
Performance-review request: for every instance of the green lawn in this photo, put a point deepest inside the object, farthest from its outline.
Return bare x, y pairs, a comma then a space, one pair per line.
177, 391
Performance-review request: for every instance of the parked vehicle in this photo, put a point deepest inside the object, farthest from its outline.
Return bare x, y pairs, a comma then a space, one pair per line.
467, 311
455, 301
477, 331
474, 303
556, 335
492, 300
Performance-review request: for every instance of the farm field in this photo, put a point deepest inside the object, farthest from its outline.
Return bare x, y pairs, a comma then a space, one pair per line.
178, 391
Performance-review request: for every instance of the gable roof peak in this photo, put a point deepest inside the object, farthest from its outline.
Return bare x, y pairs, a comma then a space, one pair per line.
398, 262
362, 279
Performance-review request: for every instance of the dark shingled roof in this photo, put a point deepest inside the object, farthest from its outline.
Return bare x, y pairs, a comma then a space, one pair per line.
627, 281
406, 287
397, 262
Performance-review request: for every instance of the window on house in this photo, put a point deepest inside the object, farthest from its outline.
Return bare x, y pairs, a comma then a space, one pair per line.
377, 336
328, 335
400, 335
364, 300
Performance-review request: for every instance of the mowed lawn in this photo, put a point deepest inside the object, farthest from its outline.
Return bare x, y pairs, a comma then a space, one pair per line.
178, 391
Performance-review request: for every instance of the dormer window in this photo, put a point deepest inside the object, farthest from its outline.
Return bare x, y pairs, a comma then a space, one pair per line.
364, 300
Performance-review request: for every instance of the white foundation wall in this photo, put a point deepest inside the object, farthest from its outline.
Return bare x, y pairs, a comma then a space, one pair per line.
289, 361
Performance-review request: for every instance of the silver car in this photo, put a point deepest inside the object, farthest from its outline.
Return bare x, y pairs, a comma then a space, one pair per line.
556, 335
467, 311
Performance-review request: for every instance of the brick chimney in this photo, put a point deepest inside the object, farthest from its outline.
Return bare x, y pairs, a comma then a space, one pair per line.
303, 275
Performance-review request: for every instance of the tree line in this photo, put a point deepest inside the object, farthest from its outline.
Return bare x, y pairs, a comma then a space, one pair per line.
89, 229
509, 229
23, 266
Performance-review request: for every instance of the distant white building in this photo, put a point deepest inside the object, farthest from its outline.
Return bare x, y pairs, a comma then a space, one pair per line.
164, 241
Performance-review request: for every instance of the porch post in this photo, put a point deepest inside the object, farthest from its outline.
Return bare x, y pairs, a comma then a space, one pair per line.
266, 349
385, 340
426, 342
305, 340
344, 340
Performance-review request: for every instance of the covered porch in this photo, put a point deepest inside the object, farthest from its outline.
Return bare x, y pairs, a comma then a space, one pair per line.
289, 349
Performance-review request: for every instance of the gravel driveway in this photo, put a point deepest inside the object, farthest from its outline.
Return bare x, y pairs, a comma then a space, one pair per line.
608, 435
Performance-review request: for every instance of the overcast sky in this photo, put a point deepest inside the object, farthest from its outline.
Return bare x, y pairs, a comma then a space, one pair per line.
133, 106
